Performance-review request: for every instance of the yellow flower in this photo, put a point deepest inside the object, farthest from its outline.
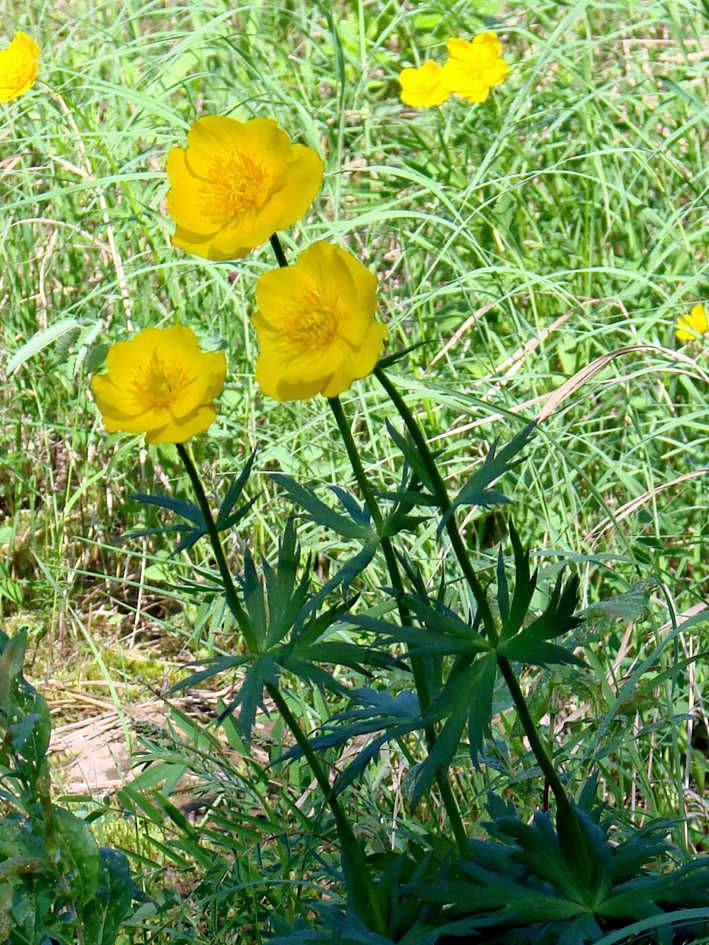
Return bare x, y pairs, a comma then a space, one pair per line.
422, 87
696, 322
160, 383
316, 325
18, 67
473, 68
237, 183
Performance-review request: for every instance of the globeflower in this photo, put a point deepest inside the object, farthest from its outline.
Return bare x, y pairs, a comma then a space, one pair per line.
689, 326
422, 87
18, 67
237, 183
160, 383
473, 68
315, 324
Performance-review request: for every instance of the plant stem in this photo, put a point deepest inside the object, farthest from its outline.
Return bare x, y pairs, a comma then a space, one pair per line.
227, 580
278, 250
359, 877
417, 665
357, 867
444, 505
441, 494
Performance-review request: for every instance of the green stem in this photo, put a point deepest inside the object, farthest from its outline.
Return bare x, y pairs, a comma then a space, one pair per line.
278, 250
227, 580
359, 872
357, 867
417, 664
444, 504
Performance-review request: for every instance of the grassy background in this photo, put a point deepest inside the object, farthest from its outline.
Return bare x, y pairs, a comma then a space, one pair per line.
560, 222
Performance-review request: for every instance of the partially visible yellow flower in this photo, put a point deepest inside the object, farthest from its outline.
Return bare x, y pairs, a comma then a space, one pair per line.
696, 322
237, 183
473, 68
315, 325
160, 383
18, 67
422, 87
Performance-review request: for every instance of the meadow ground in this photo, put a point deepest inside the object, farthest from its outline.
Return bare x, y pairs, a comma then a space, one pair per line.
556, 231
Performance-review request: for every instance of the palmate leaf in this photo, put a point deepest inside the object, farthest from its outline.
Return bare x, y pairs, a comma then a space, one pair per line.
183, 507
476, 491
347, 526
411, 454
224, 519
465, 698
530, 644
376, 711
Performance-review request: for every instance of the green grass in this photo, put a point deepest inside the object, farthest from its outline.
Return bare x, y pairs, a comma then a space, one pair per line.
562, 221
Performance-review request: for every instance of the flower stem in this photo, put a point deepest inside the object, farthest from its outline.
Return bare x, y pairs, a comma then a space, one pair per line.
359, 875
227, 580
441, 494
417, 665
444, 504
278, 250
357, 869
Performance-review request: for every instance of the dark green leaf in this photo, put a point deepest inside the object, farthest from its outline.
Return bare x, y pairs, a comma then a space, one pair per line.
481, 706
233, 493
105, 914
78, 855
182, 507
476, 490
319, 512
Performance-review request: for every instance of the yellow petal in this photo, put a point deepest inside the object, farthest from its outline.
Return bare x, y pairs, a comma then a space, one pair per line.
422, 87
276, 291
18, 67
185, 203
179, 430
357, 364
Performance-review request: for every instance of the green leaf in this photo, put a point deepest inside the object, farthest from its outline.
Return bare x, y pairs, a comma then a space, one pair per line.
524, 588
39, 341
213, 666
186, 509
110, 906
250, 696
533, 652
458, 699
476, 490
254, 600
224, 519
11, 662
481, 706
320, 513
410, 452
78, 855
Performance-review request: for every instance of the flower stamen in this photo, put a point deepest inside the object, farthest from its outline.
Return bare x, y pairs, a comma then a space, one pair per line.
156, 383
237, 188
313, 323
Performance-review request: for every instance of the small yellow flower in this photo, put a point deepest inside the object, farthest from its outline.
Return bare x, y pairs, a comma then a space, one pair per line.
422, 87
473, 68
18, 67
237, 183
160, 383
316, 325
696, 322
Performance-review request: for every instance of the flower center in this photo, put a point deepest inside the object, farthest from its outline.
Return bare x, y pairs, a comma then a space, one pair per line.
236, 187
313, 323
157, 383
